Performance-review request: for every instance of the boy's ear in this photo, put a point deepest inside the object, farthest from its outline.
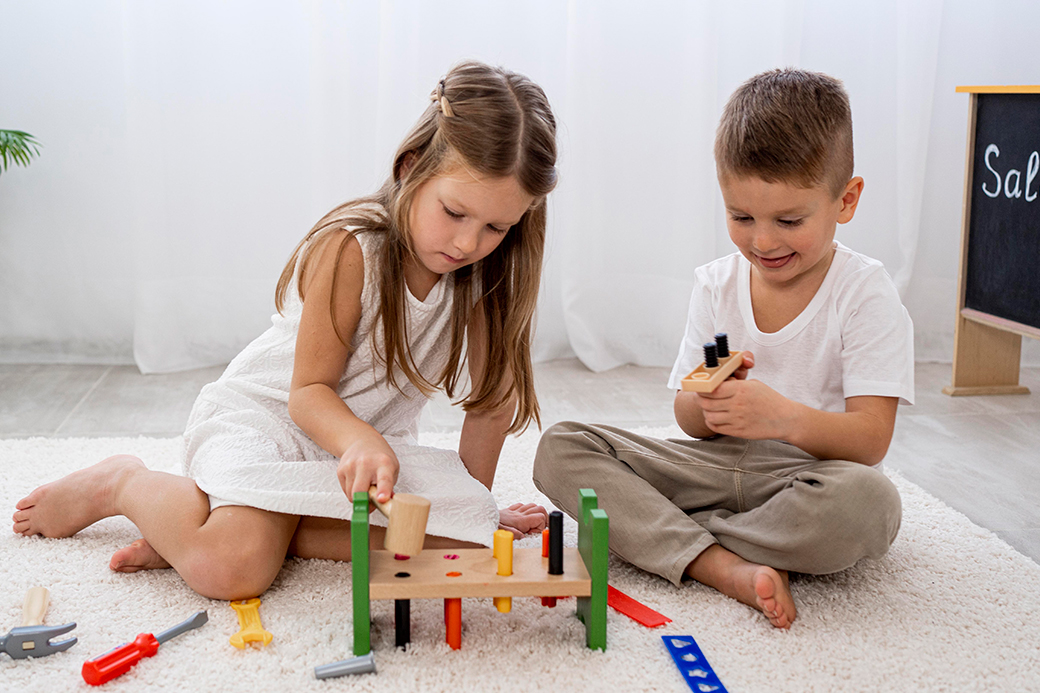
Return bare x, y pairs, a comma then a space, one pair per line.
850, 199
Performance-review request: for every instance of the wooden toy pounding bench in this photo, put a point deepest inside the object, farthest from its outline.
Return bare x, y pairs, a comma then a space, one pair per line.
452, 574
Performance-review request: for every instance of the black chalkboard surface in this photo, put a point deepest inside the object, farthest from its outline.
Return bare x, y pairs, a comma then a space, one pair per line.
1002, 269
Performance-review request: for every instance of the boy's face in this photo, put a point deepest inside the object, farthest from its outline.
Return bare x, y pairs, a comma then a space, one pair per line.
786, 232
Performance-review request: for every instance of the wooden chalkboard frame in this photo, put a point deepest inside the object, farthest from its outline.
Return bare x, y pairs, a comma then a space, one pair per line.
987, 349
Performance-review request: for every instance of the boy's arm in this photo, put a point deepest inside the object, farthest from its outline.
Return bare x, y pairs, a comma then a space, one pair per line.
483, 432
751, 409
861, 433
687, 405
690, 416
314, 403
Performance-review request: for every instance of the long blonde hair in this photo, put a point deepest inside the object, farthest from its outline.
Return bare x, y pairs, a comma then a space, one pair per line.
497, 123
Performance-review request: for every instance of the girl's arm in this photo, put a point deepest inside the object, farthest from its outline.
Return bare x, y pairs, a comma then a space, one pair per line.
483, 433
314, 403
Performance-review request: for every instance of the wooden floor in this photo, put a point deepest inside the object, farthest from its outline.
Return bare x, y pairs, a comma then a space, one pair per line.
980, 455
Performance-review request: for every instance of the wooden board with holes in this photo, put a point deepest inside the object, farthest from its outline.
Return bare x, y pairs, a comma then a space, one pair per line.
431, 575
702, 379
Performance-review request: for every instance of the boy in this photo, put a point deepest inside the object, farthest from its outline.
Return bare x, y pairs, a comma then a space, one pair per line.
779, 473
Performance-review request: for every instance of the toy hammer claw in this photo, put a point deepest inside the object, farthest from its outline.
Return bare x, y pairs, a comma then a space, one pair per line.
32, 639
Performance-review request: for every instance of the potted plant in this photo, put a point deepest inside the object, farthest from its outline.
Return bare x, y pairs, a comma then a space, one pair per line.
17, 147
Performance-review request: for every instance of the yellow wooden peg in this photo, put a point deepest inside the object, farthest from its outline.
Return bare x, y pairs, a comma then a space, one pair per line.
503, 551
249, 619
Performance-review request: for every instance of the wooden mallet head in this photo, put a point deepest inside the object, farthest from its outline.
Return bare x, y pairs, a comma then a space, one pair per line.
407, 515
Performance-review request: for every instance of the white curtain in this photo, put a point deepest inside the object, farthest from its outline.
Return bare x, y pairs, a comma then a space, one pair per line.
189, 145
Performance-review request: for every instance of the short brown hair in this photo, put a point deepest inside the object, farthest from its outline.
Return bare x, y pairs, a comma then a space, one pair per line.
790, 126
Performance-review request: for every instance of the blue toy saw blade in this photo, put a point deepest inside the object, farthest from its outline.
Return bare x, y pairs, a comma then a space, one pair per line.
692, 663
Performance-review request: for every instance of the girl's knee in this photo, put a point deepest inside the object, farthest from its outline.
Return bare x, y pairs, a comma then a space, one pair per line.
230, 574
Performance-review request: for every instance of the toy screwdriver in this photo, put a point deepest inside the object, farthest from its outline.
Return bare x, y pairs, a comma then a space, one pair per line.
117, 662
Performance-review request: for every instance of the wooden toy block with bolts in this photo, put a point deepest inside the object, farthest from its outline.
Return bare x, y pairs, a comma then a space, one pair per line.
719, 364
502, 573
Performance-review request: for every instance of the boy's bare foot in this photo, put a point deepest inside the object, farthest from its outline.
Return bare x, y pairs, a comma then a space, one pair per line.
773, 596
756, 585
138, 556
64, 507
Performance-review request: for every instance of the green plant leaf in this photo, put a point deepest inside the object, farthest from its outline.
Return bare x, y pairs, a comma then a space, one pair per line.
17, 147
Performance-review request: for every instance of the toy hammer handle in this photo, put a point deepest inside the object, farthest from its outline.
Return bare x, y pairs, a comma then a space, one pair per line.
36, 601
119, 661
383, 507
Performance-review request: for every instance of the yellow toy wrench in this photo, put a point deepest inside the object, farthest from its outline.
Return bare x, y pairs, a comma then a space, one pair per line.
249, 619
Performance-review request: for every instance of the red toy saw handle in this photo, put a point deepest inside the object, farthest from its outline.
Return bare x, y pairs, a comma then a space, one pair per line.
119, 661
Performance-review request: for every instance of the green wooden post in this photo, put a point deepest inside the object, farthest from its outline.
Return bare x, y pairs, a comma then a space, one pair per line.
359, 561
593, 535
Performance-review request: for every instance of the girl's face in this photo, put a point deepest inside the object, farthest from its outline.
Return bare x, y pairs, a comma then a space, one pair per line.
458, 218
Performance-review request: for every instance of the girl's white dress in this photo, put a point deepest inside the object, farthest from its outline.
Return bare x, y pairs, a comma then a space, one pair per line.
242, 448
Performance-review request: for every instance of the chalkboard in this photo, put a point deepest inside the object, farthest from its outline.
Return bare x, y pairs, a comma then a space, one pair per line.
1002, 266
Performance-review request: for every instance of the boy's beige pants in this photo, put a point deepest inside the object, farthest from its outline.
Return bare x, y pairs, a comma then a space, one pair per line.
766, 501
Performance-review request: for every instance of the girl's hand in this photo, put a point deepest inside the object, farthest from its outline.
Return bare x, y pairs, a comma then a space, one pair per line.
748, 409
369, 462
523, 518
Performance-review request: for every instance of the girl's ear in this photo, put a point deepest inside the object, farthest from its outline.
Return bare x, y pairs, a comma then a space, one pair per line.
406, 165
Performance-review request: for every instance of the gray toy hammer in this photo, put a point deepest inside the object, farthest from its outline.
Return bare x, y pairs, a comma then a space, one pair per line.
32, 639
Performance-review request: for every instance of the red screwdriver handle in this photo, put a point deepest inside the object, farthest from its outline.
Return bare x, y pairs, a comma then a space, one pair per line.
119, 661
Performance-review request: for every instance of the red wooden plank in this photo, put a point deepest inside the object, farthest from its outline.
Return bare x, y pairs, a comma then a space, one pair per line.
624, 604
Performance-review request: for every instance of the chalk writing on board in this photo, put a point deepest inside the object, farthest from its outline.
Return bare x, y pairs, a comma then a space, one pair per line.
1012, 178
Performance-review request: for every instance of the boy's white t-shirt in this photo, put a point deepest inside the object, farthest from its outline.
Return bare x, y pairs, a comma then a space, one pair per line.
854, 338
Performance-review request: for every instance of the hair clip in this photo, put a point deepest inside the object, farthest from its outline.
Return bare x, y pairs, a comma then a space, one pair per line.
443, 100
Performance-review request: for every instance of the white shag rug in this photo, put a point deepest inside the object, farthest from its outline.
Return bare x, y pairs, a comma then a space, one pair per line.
951, 608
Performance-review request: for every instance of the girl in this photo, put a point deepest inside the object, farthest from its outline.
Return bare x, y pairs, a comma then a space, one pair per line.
383, 302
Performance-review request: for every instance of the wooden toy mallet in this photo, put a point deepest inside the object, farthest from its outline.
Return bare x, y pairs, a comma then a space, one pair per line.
406, 527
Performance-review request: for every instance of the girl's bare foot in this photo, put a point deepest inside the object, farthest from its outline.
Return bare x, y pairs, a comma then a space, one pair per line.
64, 507
138, 556
760, 586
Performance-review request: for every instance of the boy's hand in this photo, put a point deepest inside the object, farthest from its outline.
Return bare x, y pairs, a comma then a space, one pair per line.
742, 370
746, 408
523, 518
368, 461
